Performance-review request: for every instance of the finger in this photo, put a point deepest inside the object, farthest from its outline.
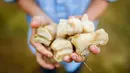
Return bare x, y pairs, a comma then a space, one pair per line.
42, 62
94, 49
40, 21
33, 32
39, 47
67, 59
57, 65
77, 58
35, 23
78, 16
32, 42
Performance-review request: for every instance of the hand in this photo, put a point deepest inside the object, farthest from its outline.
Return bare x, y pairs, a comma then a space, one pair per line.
42, 62
41, 50
77, 58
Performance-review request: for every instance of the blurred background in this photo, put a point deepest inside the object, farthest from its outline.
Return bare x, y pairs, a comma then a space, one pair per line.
15, 56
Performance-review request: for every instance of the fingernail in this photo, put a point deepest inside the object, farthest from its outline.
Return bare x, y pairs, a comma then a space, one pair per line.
74, 57
95, 50
92, 48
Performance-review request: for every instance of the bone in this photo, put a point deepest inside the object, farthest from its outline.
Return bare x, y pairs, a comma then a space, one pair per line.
83, 41
61, 47
46, 34
69, 27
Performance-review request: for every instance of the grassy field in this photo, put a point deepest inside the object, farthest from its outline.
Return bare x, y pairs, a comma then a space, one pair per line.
15, 57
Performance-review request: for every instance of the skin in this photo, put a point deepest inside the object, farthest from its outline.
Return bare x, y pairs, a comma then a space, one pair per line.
96, 8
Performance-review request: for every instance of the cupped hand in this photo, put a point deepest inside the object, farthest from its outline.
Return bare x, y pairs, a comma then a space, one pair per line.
41, 51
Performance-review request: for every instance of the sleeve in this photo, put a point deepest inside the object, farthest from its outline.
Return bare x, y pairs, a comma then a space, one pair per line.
111, 0
10, 1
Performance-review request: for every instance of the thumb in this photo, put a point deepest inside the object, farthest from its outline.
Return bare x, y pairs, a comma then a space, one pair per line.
94, 49
36, 21
35, 24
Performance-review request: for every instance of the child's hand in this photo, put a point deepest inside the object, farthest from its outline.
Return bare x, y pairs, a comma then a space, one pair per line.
93, 48
41, 50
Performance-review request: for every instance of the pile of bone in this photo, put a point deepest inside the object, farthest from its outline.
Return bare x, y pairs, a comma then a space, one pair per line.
70, 34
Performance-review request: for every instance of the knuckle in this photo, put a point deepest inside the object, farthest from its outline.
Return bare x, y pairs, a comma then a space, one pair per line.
42, 51
37, 60
78, 60
31, 42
